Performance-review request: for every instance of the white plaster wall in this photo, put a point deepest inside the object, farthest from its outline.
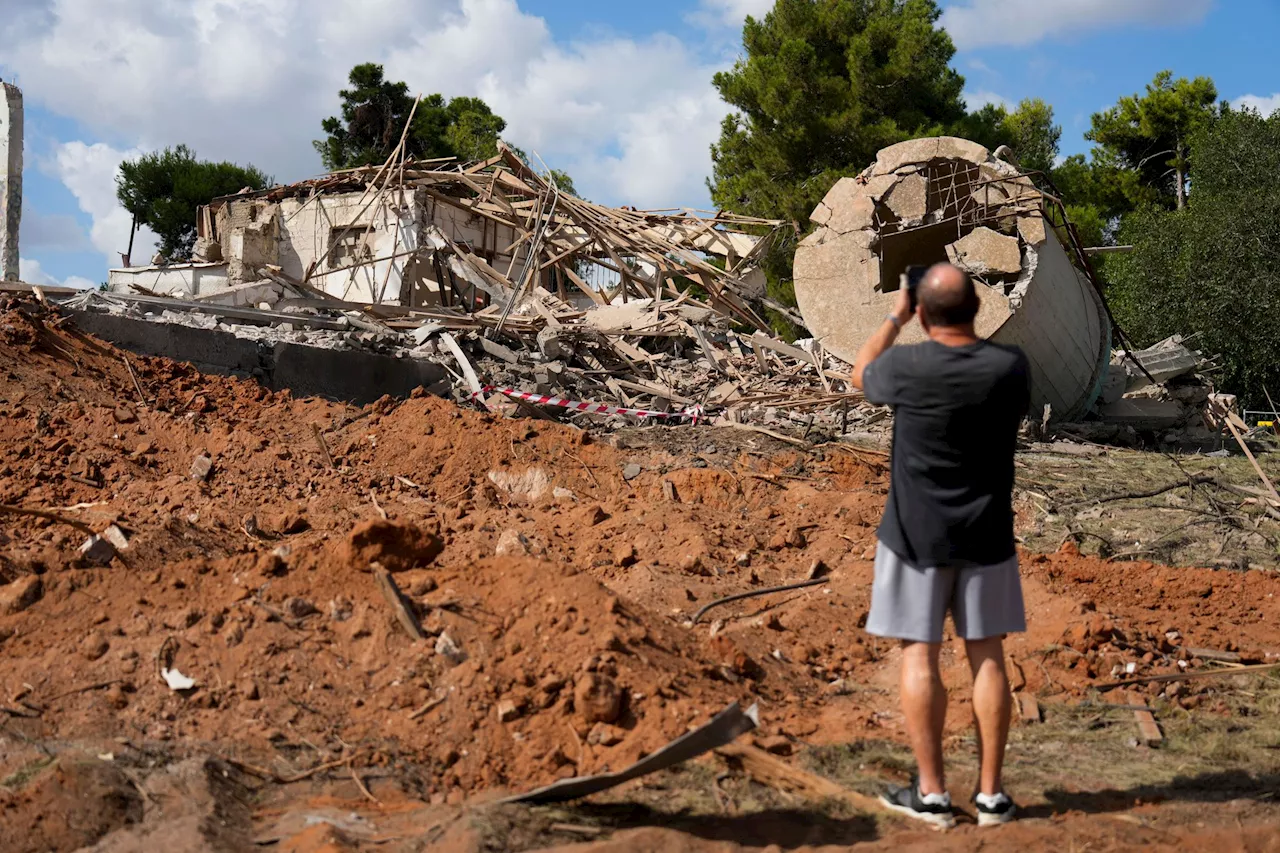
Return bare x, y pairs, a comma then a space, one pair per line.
395, 277
179, 281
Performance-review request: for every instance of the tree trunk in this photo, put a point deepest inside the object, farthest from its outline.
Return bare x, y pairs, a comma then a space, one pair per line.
128, 255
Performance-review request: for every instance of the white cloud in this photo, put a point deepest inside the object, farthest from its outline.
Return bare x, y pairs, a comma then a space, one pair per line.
251, 80
55, 232
734, 12
1266, 105
986, 23
30, 271
979, 99
89, 171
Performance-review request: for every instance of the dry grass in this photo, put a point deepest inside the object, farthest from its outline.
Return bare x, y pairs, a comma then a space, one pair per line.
1063, 497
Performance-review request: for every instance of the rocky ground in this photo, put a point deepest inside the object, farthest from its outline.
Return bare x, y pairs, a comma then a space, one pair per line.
554, 574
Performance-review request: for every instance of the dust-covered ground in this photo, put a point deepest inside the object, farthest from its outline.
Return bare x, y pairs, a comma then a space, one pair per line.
554, 574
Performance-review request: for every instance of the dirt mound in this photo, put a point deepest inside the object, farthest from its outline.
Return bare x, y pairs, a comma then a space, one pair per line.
68, 804
553, 583
397, 547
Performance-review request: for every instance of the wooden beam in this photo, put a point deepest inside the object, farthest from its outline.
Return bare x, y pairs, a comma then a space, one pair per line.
770, 770
393, 597
1148, 729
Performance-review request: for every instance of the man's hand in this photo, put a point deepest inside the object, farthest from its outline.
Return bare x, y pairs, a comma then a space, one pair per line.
902, 307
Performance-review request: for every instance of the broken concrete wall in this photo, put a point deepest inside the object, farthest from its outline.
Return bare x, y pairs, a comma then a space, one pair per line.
180, 280
248, 235
10, 180
348, 375
939, 199
341, 230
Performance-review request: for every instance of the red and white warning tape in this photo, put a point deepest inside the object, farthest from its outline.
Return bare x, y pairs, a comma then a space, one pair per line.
693, 412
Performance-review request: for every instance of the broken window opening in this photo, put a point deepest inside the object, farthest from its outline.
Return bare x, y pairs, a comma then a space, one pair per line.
350, 246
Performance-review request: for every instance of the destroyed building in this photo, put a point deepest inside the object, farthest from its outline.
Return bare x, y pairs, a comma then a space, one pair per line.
431, 234
945, 199
551, 297
485, 282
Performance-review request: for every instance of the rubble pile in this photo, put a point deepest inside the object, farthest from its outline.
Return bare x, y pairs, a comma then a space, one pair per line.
1163, 394
675, 359
513, 285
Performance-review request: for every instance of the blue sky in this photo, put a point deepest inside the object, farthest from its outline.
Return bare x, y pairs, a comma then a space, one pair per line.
616, 93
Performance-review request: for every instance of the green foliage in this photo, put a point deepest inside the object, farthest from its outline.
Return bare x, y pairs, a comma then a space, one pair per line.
1213, 267
1029, 131
374, 113
1033, 135
823, 86
1149, 136
164, 189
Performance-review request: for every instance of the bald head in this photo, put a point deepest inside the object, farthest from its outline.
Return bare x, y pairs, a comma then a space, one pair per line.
947, 296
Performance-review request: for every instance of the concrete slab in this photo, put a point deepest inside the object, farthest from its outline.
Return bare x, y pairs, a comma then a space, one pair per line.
1144, 414
908, 199
984, 250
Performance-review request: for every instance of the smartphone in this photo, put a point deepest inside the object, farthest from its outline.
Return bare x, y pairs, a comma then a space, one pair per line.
911, 278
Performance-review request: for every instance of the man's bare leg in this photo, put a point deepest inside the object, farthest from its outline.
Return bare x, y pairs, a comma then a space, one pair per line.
991, 705
924, 704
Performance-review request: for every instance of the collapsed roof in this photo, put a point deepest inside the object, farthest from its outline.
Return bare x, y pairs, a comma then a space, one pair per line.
542, 237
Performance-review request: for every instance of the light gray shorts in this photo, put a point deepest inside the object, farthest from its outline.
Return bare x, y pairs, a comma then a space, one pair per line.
908, 603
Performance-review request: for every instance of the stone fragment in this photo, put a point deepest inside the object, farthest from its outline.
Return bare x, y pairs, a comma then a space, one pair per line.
597, 698
94, 646
624, 555
1031, 229
856, 215
908, 198
603, 734
508, 711
201, 467
123, 415
116, 537
984, 250
299, 608
691, 564
528, 485
630, 471
593, 515
97, 551
449, 650
20, 594
513, 543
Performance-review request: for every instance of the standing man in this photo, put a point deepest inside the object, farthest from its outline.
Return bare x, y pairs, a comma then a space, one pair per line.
946, 540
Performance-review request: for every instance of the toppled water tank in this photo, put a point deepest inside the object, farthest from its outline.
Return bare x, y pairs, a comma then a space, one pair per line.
938, 199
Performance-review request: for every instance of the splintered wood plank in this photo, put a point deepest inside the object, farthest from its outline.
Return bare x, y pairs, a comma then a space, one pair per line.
391, 593
1148, 728
1028, 708
770, 770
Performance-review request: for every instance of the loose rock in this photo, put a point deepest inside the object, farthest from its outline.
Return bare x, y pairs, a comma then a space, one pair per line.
449, 650
94, 646
201, 467
97, 551
597, 698
20, 594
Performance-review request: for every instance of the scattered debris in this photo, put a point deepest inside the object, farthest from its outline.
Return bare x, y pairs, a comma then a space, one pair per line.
722, 729
201, 466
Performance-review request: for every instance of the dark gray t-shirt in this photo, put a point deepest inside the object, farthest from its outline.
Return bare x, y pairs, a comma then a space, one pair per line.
956, 417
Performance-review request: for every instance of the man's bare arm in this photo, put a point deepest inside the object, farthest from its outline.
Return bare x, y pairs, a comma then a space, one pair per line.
883, 337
